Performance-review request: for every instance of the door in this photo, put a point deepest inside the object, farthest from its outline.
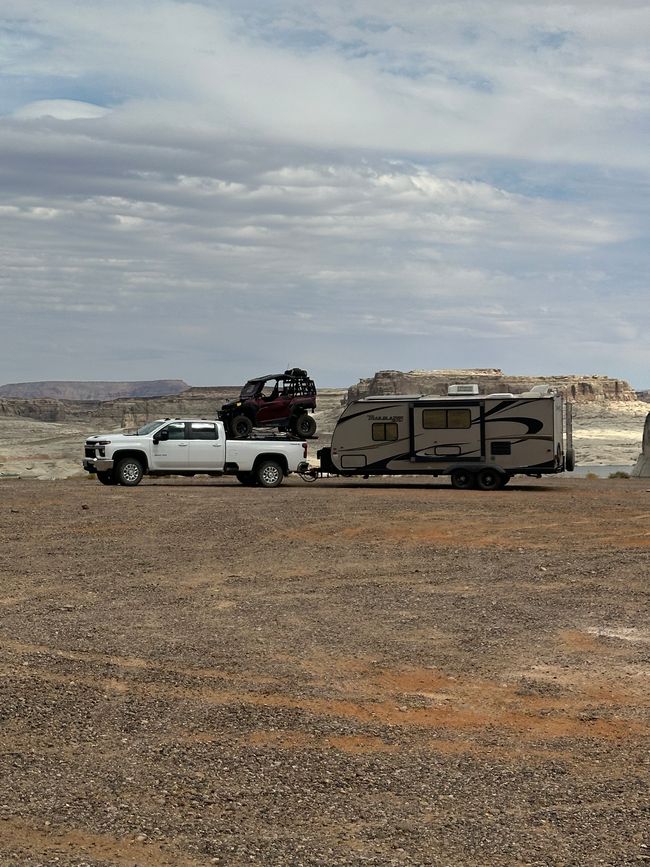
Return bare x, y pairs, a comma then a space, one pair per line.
206, 449
172, 451
447, 432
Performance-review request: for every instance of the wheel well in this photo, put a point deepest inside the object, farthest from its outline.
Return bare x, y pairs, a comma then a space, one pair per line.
130, 453
278, 458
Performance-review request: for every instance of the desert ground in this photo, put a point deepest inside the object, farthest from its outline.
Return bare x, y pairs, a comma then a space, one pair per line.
336, 673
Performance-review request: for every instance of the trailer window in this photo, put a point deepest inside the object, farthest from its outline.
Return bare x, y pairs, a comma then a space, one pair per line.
459, 418
383, 431
456, 419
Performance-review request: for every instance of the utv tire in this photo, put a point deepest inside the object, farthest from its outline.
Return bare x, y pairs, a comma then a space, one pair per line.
247, 479
304, 425
106, 477
463, 480
570, 460
269, 474
129, 472
489, 479
241, 426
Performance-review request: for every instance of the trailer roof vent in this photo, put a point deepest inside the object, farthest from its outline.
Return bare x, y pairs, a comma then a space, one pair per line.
466, 388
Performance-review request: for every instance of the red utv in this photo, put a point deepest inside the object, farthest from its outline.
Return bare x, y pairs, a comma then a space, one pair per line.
281, 400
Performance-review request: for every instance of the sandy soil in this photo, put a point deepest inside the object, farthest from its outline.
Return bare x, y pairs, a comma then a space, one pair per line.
344, 673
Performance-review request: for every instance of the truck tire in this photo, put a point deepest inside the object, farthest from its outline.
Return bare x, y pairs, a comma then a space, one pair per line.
304, 425
129, 472
489, 479
269, 474
247, 479
106, 477
241, 426
462, 479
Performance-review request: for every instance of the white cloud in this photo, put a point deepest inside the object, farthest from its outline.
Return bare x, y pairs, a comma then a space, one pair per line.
460, 180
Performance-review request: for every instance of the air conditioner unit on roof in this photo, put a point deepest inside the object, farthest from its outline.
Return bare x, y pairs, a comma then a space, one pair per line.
466, 388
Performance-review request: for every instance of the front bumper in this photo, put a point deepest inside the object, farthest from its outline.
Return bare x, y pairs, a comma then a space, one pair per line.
97, 465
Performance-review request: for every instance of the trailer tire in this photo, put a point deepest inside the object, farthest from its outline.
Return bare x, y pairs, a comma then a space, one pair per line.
129, 472
241, 426
269, 474
489, 479
462, 480
106, 477
570, 460
303, 425
247, 479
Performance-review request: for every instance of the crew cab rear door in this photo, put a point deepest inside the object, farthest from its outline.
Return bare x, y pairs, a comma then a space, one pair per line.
207, 450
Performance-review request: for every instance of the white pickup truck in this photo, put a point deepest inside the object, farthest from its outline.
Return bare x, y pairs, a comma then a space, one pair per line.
186, 447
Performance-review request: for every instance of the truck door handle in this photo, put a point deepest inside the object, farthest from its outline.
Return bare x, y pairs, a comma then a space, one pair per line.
183, 445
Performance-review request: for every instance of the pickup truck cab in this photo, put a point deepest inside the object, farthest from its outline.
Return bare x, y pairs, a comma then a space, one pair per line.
186, 447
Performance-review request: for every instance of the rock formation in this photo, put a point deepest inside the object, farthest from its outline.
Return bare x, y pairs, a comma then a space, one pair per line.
642, 467
64, 390
124, 412
490, 380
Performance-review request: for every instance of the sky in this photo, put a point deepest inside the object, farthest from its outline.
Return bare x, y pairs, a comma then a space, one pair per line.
216, 190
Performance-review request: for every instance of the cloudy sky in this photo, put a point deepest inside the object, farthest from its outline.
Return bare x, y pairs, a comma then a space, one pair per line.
213, 190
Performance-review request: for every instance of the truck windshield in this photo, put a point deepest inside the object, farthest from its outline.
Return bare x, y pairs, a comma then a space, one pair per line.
148, 427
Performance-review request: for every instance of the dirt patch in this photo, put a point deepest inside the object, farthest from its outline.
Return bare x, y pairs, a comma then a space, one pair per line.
341, 673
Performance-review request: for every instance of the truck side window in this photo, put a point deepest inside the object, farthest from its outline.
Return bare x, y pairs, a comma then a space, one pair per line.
203, 431
176, 431
384, 431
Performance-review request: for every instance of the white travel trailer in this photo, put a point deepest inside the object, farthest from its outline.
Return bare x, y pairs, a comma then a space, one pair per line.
477, 440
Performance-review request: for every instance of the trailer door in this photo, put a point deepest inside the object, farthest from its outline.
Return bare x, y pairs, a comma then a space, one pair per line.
446, 431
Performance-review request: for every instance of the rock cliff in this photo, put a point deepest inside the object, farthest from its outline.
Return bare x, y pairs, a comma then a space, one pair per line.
123, 412
69, 390
642, 467
578, 388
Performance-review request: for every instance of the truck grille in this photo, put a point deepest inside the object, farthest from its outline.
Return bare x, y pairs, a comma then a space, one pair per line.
89, 451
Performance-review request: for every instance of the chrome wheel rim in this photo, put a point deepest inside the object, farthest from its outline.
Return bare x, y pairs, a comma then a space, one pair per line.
130, 472
270, 475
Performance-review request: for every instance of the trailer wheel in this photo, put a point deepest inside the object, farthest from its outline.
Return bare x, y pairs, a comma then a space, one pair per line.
489, 479
570, 460
247, 479
462, 479
106, 477
269, 474
241, 426
304, 425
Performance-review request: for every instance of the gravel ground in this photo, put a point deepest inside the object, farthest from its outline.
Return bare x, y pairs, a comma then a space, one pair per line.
340, 673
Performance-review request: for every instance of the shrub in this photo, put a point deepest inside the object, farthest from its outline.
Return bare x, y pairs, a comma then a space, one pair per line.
619, 474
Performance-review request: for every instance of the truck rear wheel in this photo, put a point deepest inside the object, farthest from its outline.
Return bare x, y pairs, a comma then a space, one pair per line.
269, 474
129, 472
106, 477
462, 479
241, 426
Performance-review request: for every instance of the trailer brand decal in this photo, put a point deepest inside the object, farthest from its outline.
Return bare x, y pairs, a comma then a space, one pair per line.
386, 417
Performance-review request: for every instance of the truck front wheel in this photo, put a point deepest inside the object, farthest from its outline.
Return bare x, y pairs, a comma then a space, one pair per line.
269, 474
129, 472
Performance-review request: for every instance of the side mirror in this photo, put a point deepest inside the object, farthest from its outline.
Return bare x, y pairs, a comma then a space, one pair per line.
161, 435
